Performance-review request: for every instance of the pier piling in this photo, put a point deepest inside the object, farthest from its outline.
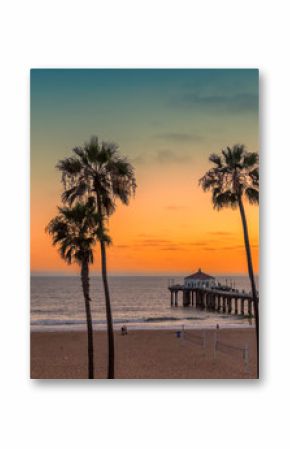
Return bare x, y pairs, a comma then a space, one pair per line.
213, 299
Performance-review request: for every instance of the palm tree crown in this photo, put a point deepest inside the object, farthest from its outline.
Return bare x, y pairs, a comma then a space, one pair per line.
75, 231
235, 173
98, 168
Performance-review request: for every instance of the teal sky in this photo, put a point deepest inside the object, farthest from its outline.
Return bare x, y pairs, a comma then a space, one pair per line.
142, 110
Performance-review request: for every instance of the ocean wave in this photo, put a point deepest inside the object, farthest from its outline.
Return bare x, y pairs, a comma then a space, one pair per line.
66, 322
167, 318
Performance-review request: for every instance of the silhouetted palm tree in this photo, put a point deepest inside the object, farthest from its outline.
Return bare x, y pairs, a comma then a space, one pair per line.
235, 175
98, 170
74, 231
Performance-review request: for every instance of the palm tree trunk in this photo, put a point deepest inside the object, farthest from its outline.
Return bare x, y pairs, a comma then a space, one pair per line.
110, 332
251, 275
86, 292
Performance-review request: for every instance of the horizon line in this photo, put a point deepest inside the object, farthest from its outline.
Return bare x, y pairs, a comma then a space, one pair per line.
135, 273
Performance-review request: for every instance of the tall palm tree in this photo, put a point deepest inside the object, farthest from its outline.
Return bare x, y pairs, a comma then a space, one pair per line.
97, 169
74, 231
235, 175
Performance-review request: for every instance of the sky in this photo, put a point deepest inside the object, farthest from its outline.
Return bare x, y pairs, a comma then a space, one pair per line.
167, 122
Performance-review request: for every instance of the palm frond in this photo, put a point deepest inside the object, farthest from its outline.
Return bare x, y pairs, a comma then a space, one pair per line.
250, 160
69, 194
254, 175
82, 154
78, 191
216, 159
69, 166
237, 153
209, 180
252, 195
93, 150
224, 199
227, 154
108, 204
74, 232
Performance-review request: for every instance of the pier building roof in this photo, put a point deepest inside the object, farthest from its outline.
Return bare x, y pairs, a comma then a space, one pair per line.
199, 275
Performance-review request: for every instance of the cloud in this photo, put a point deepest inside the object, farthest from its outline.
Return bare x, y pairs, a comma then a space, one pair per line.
199, 243
139, 159
162, 157
173, 248
220, 233
167, 156
154, 242
178, 137
159, 244
242, 102
162, 244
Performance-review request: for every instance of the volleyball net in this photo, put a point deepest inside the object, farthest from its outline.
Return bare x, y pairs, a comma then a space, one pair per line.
218, 346
232, 350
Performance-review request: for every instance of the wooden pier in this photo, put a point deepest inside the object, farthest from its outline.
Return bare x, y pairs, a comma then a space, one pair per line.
213, 299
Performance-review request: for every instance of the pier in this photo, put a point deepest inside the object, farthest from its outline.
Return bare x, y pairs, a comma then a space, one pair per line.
212, 299
202, 291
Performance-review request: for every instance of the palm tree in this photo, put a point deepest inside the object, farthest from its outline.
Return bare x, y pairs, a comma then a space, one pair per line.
235, 175
98, 170
74, 231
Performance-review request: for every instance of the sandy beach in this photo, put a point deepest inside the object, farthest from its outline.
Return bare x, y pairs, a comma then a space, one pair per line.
145, 354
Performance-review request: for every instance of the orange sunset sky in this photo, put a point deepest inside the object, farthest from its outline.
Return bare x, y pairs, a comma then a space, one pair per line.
166, 122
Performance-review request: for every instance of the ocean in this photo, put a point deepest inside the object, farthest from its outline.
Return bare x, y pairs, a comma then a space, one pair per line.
139, 302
